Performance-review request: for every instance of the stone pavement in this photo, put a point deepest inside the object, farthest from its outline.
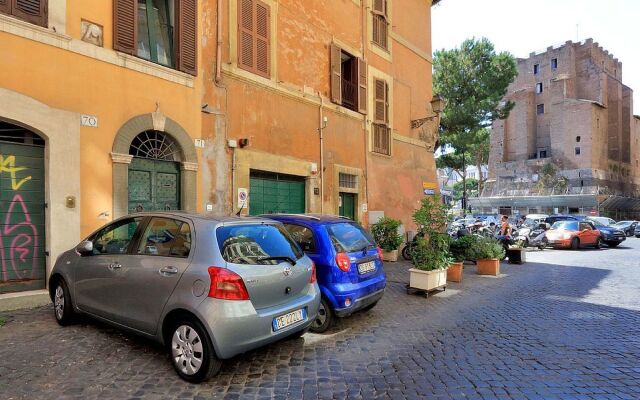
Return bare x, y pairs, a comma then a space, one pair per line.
566, 325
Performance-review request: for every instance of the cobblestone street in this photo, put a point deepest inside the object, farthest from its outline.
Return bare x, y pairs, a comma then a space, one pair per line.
566, 325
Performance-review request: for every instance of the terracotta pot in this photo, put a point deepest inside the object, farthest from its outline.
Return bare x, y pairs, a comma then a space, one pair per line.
489, 266
390, 256
454, 272
427, 280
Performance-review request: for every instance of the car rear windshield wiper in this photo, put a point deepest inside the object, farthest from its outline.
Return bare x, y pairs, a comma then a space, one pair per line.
367, 247
283, 258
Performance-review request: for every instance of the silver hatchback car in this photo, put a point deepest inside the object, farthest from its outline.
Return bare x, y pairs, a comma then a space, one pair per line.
208, 288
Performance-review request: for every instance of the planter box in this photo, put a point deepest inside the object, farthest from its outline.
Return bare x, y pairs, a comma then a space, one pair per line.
390, 256
427, 280
454, 272
489, 267
517, 256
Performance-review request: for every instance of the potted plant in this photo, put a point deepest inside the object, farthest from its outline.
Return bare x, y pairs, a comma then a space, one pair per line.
487, 253
460, 251
430, 256
385, 233
517, 253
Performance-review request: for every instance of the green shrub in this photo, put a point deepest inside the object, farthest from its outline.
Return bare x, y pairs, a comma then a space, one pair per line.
487, 248
385, 233
432, 249
463, 248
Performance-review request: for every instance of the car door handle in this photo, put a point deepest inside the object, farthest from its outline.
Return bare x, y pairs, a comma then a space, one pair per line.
114, 266
168, 271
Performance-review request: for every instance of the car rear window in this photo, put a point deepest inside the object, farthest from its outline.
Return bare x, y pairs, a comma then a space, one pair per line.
566, 226
348, 237
251, 243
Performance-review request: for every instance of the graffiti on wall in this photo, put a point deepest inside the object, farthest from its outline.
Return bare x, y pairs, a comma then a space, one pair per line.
18, 234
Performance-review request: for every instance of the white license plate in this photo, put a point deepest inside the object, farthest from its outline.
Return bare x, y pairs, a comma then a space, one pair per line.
289, 319
366, 267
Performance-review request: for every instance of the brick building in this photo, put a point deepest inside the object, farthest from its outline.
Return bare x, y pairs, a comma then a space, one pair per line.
573, 112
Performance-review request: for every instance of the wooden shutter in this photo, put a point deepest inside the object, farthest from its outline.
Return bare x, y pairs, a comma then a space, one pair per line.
362, 86
245, 35
125, 32
336, 74
187, 36
262, 38
5, 6
379, 6
33, 11
381, 110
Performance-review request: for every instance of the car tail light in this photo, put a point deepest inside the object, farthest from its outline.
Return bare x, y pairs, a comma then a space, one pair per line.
313, 273
226, 285
379, 253
342, 259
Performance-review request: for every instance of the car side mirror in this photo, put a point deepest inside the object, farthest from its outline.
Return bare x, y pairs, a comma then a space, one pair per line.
85, 248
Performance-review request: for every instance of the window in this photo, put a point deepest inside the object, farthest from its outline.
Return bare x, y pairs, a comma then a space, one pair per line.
254, 37
33, 11
348, 80
542, 153
347, 180
349, 237
554, 64
303, 236
577, 139
536, 69
577, 150
540, 109
167, 238
115, 238
161, 31
472, 175
381, 131
256, 244
539, 87
585, 226
380, 23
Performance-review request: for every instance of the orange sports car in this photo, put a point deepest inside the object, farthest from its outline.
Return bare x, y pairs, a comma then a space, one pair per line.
574, 235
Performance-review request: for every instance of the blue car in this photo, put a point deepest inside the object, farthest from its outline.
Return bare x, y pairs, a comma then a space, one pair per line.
348, 263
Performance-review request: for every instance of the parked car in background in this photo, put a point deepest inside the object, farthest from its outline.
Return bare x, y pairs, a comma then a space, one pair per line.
552, 219
628, 227
349, 264
535, 219
603, 220
208, 288
573, 234
636, 232
611, 235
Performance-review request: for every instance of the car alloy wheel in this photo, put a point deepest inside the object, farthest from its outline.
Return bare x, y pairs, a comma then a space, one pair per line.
62, 308
324, 319
186, 350
58, 302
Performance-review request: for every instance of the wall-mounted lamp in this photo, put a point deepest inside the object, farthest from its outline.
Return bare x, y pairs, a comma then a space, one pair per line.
437, 105
244, 142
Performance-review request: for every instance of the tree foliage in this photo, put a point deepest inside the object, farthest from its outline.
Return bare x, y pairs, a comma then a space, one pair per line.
472, 189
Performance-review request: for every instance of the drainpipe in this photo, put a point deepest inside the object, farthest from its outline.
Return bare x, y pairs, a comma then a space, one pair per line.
233, 177
321, 130
219, 41
363, 12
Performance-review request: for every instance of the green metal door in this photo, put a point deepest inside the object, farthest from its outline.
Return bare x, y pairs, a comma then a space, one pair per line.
153, 185
22, 217
347, 205
271, 193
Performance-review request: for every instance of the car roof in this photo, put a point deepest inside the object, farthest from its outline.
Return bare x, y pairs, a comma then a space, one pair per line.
198, 216
312, 219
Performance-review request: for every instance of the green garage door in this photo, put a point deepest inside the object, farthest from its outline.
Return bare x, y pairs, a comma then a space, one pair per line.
271, 193
22, 206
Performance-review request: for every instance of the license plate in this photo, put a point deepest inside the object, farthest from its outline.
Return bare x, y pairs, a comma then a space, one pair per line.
289, 319
366, 267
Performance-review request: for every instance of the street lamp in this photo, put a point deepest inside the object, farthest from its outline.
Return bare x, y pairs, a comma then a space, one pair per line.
437, 105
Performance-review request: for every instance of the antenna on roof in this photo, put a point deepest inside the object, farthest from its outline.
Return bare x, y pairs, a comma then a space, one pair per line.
241, 208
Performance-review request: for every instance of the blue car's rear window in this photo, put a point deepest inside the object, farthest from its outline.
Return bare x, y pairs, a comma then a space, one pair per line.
348, 237
250, 243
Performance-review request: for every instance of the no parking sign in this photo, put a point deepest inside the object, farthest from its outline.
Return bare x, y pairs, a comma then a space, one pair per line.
243, 196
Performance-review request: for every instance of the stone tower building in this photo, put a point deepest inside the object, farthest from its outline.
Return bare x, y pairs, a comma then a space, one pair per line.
572, 111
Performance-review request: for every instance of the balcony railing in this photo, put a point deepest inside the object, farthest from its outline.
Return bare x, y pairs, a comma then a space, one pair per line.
349, 94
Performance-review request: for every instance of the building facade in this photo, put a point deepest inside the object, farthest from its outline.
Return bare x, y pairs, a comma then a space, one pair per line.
100, 103
312, 108
571, 142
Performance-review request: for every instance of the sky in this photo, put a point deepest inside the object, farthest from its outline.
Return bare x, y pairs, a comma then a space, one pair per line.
524, 26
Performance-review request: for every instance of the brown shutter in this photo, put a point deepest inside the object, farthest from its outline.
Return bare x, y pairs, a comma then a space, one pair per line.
187, 36
379, 116
245, 35
5, 6
33, 11
125, 18
379, 6
262, 38
336, 74
362, 86
386, 103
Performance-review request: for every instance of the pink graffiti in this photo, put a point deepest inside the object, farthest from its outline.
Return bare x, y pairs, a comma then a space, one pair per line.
23, 243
